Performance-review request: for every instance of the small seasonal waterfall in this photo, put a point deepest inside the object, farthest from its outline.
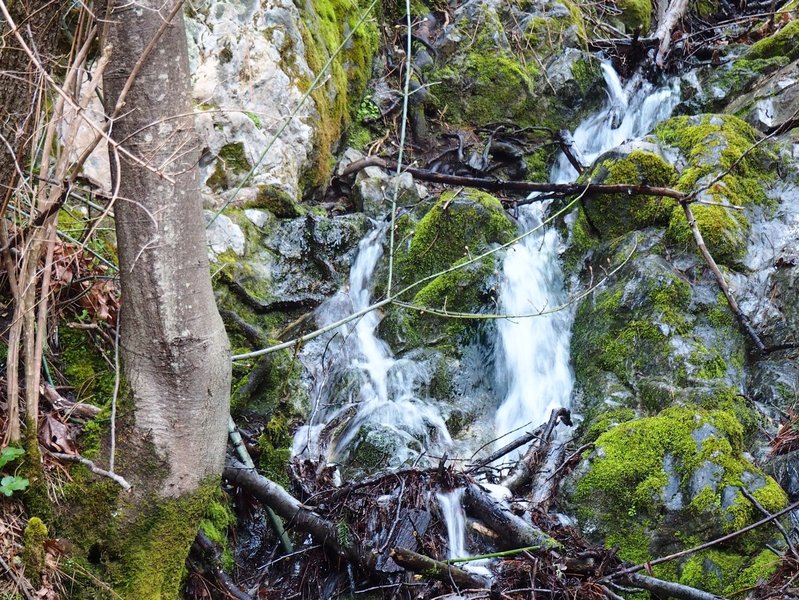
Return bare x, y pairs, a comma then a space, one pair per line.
360, 389
359, 383
455, 519
533, 353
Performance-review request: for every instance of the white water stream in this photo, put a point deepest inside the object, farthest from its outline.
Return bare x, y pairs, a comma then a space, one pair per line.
361, 392
533, 356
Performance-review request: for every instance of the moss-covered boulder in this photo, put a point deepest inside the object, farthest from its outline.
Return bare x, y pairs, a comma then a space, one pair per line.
658, 485
650, 337
518, 61
435, 263
718, 154
612, 215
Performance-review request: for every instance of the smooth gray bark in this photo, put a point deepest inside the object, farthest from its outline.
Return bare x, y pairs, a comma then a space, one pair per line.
174, 348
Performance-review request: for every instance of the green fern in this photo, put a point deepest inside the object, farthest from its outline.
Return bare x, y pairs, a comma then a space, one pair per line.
343, 533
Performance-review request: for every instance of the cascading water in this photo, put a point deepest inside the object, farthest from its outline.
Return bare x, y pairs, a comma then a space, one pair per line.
455, 520
361, 388
533, 353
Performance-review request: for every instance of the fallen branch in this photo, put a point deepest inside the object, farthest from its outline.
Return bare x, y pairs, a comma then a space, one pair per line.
506, 449
66, 406
437, 570
743, 320
777, 524
76, 458
526, 467
499, 185
515, 531
290, 509
209, 549
674, 13
668, 588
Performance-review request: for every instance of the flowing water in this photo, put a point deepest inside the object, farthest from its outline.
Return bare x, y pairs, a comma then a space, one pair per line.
533, 354
361, 392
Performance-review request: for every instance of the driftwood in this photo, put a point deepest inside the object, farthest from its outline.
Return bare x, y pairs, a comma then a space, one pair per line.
294, 513
674, 13
437, 570
514, 531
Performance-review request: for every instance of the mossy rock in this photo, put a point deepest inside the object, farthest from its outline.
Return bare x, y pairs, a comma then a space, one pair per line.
277, 201
324, 27
714, 145
649, 337
783, 43
740, 77
458, 225
615, 214
231, 165
665, 483
635, 14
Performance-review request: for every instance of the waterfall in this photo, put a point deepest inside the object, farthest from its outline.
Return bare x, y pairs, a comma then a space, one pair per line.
360, 389
360, 384
533, 354
455, 520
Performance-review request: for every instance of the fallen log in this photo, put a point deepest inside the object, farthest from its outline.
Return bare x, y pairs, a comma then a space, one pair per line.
506, 449
514, 531
674, 13
429, 567
293, 512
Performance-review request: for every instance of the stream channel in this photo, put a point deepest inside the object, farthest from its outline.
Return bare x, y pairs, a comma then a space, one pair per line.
360, 387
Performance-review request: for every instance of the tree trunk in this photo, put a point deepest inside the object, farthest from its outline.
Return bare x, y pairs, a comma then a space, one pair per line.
174, 349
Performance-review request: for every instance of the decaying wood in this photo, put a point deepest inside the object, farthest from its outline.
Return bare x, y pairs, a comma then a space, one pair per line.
290, 509
668, 589
524, 470
514, 531
674, 13
437, 570
68, 407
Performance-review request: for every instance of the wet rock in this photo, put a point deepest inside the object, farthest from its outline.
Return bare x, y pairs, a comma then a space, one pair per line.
660, 484
375, 189
773, 103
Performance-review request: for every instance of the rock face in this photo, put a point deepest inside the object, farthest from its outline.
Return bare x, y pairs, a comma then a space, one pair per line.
669, 388
254, 65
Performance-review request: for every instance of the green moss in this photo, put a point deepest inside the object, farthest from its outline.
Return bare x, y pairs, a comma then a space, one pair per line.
741, 76
616, 214
623, 491
724, 231
635, 14
605, 421
85, 367
462, 290
275, 444
783, 43
216, 522
277, 201
714, 144
37, 500
33, 550
488, 87
458, 225
324, 26
231, 161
